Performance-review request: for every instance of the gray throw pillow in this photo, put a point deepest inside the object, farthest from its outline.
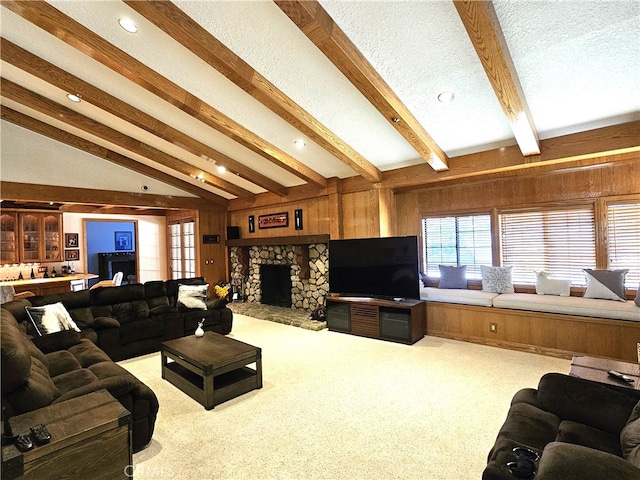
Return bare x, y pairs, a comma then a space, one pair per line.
452, 277
605, 284
637, 299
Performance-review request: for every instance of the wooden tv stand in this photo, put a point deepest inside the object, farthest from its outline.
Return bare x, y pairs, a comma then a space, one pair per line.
397, 321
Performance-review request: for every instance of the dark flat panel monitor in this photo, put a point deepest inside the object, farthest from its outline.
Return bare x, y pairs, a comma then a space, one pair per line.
375, 267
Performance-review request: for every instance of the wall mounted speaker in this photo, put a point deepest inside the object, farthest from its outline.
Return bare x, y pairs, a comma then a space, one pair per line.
210, 239
297, 215
252, 224
233, 233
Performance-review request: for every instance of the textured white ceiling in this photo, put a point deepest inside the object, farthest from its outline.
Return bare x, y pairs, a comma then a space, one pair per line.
578, 63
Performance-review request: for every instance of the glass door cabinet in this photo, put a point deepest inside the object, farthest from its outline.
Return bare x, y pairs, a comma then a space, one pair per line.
30, 237
8, 237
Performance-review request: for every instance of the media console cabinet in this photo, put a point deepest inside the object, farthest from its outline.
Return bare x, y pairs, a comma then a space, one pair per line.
397, 321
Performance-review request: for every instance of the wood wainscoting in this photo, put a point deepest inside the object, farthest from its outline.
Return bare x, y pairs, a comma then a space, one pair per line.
543, 333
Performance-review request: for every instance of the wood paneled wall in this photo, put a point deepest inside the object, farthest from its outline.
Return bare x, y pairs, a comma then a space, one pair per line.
351, 208
360, 214
213, 257
315, 218
607, 180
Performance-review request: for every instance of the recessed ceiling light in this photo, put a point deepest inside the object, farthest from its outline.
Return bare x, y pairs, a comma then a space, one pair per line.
446, 97
74, 97
128, 25
221, 169
300, 144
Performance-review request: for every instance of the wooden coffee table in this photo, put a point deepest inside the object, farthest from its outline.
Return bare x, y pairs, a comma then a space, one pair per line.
593, 368
211, 369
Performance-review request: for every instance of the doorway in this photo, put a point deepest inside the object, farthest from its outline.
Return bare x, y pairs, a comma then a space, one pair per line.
112, 239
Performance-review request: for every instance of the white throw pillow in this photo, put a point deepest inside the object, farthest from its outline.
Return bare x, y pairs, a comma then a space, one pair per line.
51, 319
497, 279
193, 296
551, 286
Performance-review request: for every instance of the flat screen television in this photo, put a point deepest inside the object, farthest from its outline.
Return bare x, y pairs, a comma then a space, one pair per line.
375, 267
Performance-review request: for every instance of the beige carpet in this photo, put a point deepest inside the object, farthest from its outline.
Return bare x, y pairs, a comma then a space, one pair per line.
336, 406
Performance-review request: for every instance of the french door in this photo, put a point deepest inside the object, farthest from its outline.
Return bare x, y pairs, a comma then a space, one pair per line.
182, 236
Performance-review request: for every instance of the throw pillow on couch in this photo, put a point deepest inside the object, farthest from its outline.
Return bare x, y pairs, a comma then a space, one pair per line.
192, 297
605, 284
51, 318
551, 286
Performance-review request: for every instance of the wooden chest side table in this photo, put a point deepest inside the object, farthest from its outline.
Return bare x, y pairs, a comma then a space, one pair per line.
593, 368
90, 438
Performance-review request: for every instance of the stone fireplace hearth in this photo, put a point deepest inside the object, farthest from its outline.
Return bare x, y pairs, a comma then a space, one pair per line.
309, 271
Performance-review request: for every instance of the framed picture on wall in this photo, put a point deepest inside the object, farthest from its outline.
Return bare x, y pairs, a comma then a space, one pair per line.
70, 240
124, 240
273, 220
71, 255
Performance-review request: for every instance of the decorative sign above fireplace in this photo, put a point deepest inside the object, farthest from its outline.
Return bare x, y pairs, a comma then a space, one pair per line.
273, 220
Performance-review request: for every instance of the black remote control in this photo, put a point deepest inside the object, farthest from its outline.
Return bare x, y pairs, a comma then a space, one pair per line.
40, 434
620, 376
24, 443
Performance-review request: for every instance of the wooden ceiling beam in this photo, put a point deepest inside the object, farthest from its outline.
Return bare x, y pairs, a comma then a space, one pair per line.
40, 68
322, 30
41, 104
51, 20
481, 22
99, 151
92, 197
577, 150
186, 31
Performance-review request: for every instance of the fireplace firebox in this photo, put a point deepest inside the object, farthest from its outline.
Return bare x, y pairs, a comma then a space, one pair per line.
110, 263
275, 283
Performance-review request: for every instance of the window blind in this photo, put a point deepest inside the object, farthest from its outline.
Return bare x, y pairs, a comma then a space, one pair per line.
463, 240
561, 242
623, 232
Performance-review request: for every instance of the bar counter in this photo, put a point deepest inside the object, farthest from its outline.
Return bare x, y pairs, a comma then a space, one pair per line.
46, 286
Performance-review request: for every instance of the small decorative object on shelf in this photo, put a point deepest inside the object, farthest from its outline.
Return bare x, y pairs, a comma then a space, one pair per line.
199, 330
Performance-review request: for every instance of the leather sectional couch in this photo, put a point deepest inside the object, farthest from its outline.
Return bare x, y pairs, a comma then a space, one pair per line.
580, 430
67, 366
132, 320
115, 323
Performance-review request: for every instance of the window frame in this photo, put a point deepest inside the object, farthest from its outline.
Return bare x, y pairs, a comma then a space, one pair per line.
599, 205
423, 243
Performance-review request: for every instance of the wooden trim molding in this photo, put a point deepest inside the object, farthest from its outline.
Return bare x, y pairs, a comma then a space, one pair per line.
265, 241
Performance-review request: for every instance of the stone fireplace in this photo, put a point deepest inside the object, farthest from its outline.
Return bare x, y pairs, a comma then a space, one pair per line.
308, 272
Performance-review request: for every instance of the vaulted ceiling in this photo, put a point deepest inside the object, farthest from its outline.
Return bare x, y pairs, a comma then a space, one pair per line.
209, 98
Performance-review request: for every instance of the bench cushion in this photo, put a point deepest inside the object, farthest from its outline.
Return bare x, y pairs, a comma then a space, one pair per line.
584, 307
453, 295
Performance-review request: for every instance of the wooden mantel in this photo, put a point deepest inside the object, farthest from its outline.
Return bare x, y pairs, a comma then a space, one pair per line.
291, 240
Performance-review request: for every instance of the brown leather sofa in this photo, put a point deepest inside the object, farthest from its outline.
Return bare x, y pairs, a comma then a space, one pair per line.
579, 429
40, 371
115, 323
132, 320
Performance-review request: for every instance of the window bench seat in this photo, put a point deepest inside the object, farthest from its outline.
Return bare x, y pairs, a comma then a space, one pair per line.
546, 324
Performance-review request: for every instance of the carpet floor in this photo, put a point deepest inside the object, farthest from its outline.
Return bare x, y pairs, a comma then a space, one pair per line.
336, 406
